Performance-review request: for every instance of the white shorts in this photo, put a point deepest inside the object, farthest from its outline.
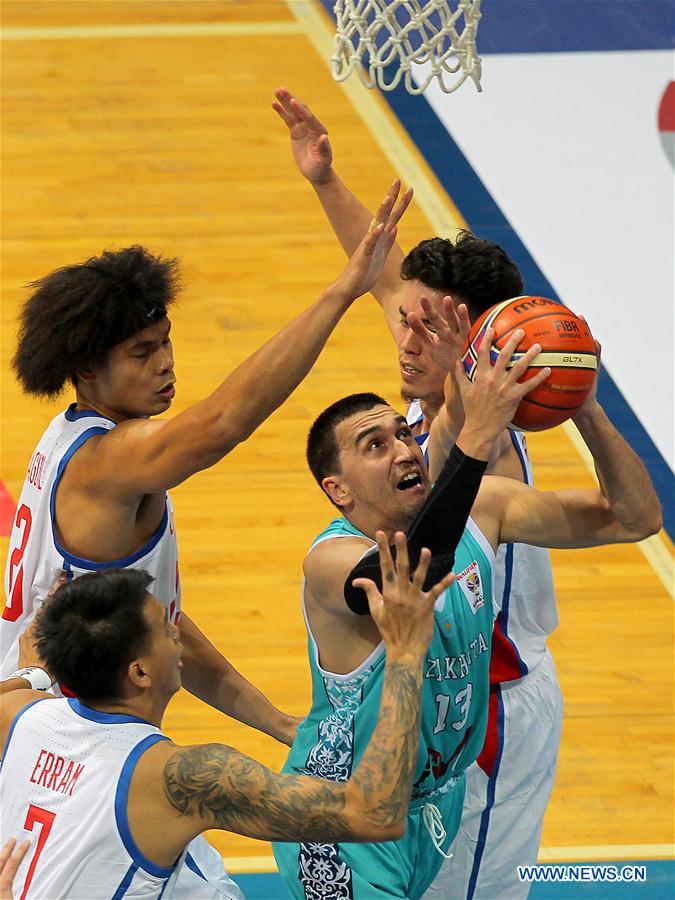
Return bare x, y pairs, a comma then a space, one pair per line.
202, 876
505, 803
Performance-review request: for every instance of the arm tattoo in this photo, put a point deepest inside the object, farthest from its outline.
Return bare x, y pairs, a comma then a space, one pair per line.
225, 789
231, 791
385, 774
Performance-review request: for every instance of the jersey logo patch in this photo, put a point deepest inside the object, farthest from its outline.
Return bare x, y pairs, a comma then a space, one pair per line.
470, 585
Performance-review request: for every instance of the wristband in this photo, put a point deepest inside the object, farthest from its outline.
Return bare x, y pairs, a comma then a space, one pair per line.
38, 679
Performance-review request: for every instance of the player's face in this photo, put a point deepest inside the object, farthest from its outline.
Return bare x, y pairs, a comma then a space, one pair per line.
137, 378
165, 649
421, 378
382, 472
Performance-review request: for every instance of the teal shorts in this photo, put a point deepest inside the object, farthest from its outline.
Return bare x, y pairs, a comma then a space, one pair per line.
395, 869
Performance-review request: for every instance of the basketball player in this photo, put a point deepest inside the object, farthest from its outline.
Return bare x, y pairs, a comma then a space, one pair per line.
95, 492
365, 457
113, 802
509, 786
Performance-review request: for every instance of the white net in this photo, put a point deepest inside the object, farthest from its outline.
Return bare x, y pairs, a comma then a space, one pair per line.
384, 39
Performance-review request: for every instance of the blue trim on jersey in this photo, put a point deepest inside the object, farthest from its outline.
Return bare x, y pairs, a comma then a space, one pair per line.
191, 864
125, 882
69, 558
14, 721
72, 414
521, 456
506, 598
161, 893
103, 718
508, 566
491, 788
121, 817
508, 577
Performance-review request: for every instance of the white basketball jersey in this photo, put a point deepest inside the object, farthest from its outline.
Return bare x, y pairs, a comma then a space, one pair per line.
523, 588
36, 559
65, 780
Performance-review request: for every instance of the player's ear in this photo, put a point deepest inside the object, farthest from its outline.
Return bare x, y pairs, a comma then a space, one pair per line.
85, 375
336, 490
137, 674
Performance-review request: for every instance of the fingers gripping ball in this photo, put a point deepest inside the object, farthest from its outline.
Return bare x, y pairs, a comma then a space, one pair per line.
567, 347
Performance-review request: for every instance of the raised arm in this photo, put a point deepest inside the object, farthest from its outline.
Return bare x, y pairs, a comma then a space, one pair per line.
148, 456
348, 217
623, 508
212, 786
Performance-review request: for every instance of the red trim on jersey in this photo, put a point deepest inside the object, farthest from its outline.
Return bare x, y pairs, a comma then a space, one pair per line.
488, 755
504, 662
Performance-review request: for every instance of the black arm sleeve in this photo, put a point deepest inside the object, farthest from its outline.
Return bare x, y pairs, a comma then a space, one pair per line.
438, 526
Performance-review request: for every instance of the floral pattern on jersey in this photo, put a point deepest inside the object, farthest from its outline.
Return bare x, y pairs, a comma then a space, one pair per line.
331, 756
323, 875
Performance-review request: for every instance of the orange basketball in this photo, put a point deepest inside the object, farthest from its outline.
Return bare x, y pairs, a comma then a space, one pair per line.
567, 347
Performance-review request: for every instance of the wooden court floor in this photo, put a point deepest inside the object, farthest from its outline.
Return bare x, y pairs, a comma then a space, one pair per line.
150, 122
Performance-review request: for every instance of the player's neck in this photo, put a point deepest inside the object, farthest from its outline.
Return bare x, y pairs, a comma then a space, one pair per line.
430, 408
369, 522
86, 401
146, 708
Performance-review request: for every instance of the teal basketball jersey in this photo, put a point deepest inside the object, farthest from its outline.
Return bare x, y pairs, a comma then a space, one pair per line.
455, 688
344, 713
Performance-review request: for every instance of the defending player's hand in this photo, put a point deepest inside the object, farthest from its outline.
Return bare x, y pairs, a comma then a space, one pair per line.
403, 612
446, 333
28, 652
11, 858
309, 138
365, 266
491, 400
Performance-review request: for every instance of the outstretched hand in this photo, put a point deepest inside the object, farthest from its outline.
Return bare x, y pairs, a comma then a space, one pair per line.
309, 138
403, 612
447, 331
365, 266
491, 400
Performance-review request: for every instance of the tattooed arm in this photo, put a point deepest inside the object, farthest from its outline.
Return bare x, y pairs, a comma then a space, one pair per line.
218, 787
213, 786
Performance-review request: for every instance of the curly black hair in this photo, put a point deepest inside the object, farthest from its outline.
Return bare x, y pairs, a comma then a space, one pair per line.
77, 314
475, 270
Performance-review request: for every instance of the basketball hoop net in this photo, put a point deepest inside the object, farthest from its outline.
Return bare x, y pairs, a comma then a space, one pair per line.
382, 39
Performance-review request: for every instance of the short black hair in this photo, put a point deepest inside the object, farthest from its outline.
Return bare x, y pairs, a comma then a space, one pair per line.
476, 270
77, 314
92, 628
323, 453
